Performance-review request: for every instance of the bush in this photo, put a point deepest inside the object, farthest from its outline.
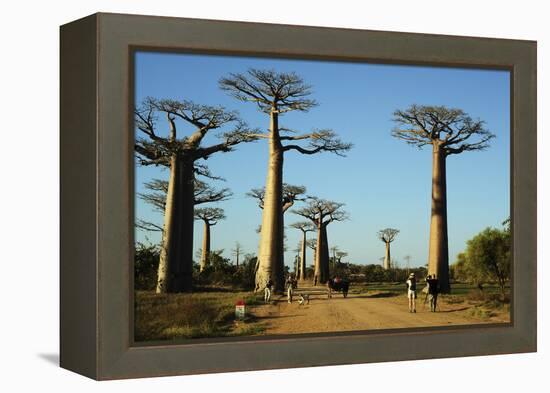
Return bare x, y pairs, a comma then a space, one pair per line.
486, 259
220, 272
146, 261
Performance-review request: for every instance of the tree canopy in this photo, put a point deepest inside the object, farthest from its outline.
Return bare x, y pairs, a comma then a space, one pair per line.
277, 93
450, 128
291, 194
155, 147
210, 215
322, 211
486, 258
388, 235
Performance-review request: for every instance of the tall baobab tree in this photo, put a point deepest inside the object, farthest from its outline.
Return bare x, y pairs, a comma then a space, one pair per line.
304, 227
156, 196
321, 213
210, 216
276, 93
236, 252
387, 236
180, 153
449, 131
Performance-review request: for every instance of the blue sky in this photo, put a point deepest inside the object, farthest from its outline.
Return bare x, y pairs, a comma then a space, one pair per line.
383, 181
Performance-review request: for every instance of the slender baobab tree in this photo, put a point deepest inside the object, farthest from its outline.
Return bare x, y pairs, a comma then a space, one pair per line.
180, 154
210, 216
321, 213
449, 131
237, 252
408, 259
312, 244
387, 236
304, 227
156, 196
291, 194
334, 250
275, 94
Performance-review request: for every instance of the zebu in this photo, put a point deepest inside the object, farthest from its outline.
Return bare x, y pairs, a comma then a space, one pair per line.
337, 284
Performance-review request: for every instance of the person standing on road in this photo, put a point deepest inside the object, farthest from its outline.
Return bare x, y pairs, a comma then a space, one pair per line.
267, 291
289, 285
433, 291
411, 292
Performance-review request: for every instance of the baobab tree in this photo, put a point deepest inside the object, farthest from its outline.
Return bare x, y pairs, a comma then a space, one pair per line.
387, 236
321, 213
291, 194
334, 250
276, 93
156, 196
180, 153
340, 255
304, 227
408, 259
236, 252
210, 216
449, 131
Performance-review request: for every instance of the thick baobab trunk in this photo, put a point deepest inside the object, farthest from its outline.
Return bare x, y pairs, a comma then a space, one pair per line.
321, 255
176, 256
302, 269
387, 258
205, 257
270, 253
438, 260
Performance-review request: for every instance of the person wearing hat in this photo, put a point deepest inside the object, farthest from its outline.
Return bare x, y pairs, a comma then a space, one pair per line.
411, 292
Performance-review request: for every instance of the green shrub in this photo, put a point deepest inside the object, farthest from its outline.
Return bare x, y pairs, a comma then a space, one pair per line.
146, 261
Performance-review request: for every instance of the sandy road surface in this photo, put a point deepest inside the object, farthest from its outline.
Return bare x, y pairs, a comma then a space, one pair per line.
359, 312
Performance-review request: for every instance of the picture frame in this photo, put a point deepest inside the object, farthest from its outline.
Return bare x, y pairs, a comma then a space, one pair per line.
97, 196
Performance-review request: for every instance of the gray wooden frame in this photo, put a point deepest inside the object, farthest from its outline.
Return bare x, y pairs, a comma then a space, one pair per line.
97, 195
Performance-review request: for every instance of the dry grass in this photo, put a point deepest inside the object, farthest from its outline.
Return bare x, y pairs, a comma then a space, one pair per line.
194, 315
483, 305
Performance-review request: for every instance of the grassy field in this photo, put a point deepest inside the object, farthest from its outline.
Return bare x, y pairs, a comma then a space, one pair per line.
201, 314
210, 312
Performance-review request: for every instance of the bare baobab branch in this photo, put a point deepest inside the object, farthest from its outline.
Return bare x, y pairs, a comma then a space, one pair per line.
148, 226
203, 193
291, 194
322, 140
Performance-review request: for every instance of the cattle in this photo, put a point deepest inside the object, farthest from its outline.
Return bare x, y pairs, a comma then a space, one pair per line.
339, 285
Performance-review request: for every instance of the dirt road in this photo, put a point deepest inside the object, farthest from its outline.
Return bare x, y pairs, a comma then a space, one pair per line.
374, 310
